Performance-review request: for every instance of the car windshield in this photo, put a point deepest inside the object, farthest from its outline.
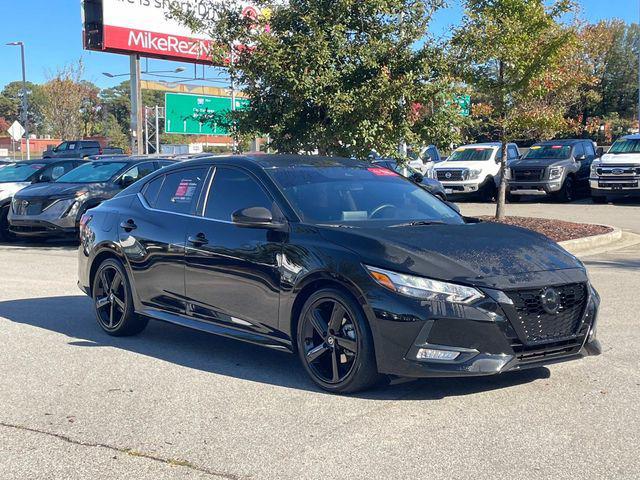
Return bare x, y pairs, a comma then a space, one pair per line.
471, 154
93, 172
359, 196
541, 152
625, 146
19, 172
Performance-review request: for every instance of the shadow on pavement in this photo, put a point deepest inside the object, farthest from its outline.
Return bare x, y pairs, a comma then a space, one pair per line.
622, 263
73, 316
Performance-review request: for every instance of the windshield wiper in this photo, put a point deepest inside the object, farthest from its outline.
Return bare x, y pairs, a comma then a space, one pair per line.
418, 223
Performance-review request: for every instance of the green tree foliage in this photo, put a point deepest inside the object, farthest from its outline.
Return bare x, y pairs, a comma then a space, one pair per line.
340, 77
502, 49
10, 104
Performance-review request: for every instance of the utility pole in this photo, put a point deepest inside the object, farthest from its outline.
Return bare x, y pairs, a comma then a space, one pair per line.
638, 71
137, 145
25, 102
233, 99
402, 147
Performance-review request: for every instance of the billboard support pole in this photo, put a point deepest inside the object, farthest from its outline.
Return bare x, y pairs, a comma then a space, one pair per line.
233, 101
137, 148
157, 129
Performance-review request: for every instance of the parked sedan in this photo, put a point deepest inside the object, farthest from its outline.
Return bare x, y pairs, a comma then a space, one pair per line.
18, 175
431, 184
358, 270
55, 209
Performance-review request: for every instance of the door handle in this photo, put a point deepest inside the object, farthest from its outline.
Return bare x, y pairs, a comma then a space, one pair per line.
197, 240
129, 225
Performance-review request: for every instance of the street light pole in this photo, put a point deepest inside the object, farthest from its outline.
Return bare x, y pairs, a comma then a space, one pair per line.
137, 146
25, 102
639, 71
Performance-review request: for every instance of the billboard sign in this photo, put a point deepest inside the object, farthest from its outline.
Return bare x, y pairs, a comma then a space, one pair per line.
188, 114
142, 27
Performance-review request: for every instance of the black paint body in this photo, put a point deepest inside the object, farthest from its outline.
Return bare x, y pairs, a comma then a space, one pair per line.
251, 283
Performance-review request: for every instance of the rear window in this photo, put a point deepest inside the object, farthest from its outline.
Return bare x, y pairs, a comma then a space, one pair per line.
541, 152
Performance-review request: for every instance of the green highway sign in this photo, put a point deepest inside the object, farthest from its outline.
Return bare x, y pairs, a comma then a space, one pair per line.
464, 102
189, 114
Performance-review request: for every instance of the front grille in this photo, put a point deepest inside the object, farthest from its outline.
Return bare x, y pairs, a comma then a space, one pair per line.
618, 170
536, 325
31, 207
528, 174
451, 175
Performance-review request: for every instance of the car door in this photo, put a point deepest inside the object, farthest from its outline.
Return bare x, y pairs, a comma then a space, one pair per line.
590, 156
232, 274
152, 236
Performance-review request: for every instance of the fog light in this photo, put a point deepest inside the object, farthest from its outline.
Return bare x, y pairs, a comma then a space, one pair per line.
431, 354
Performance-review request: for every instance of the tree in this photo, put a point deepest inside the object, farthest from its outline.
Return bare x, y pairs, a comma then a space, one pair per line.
503, 48
65, 96
342, 77
11, 104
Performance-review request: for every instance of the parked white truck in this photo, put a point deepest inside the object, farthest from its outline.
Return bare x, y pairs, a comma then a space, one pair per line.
616, 174
475, 169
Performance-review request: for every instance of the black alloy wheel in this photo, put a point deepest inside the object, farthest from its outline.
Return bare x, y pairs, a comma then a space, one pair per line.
567, 192
335, 344
113, 301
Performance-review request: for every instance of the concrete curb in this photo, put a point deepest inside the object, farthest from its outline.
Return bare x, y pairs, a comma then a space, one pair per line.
580, 245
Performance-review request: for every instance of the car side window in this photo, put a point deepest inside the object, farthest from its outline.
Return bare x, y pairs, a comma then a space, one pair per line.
71, 146
578, 150
139, 171
62, 146
151, 190
589, 149
180, 190
513, 153
233, 189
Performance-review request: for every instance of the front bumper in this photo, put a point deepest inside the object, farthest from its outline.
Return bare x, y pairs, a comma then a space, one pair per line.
484, 336
534, 188
615, 187
60, 219
461, 188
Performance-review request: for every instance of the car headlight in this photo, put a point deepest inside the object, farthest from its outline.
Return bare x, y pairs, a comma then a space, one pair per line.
431, 173
424, 288
594, 168
556, 173
473, 174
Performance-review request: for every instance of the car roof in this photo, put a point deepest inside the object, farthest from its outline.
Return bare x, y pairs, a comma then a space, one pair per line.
273, 161
564, 141
634, 136
478, 145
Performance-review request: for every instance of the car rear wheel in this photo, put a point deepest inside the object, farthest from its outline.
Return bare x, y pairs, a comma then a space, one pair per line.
113, 301
335, 343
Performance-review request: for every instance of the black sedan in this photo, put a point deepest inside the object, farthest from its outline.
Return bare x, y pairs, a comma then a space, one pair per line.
356, 269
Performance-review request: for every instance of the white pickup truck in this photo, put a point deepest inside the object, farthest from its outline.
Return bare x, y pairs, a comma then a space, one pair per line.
475, 169
617, 173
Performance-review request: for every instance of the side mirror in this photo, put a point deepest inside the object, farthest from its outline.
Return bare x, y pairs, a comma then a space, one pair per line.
453, 206
581, 158
417, 177
255, 217
599, 152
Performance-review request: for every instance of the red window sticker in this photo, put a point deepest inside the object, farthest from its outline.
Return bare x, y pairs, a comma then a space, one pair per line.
382, 172
557, 146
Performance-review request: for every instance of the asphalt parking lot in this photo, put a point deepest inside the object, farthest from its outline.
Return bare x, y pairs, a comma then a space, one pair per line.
173, 403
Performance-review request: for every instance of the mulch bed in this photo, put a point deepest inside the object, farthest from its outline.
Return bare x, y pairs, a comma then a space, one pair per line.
556, 230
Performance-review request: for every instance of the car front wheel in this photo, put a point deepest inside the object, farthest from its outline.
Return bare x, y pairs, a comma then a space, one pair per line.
335, 343
113, 302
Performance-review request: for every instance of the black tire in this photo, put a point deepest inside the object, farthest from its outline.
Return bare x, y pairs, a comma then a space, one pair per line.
113, 303
599, 200
488, 191
340, 359
5, 234
567, 193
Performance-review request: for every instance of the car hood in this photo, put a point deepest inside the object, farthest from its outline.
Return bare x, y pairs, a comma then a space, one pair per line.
55, 190
460, 164
482, 254
541, 163
9, 189
619, 158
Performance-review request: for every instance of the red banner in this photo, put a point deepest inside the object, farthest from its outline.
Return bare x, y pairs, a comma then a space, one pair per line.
152, 44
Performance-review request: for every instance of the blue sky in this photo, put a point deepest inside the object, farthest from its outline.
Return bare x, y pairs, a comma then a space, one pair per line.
53, 38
